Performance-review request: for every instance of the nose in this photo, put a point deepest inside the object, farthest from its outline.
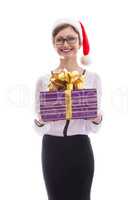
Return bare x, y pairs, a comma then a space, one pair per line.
66, 43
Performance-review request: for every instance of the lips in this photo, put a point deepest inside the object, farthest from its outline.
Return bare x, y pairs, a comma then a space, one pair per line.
65, 50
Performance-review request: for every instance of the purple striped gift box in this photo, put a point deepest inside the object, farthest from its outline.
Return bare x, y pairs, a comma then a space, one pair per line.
53, 107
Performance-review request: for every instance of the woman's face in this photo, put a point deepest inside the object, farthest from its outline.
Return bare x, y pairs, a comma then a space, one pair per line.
66, 42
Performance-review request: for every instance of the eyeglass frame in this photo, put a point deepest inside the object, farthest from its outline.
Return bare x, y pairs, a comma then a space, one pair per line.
66, 39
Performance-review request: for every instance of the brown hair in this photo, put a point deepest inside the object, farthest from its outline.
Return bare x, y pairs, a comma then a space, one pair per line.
61, 27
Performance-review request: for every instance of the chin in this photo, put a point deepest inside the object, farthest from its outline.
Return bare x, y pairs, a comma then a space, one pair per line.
66, 56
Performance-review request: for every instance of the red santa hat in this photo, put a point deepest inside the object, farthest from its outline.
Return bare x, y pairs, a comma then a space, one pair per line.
82, 34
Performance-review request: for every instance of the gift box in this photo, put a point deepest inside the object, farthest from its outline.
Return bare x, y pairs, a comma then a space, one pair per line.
67, 98
68, 104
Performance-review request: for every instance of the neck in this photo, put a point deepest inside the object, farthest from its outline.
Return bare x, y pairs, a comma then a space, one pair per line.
69, 63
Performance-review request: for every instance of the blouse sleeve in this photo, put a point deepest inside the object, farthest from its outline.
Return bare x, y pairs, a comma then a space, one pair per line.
41, 84
93, 127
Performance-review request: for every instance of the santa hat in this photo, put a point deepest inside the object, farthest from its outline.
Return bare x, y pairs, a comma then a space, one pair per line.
82, 34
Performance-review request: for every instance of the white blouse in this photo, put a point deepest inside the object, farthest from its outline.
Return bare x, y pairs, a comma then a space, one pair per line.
76, 126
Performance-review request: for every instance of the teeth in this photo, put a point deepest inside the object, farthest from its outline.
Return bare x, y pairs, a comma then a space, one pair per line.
66, 50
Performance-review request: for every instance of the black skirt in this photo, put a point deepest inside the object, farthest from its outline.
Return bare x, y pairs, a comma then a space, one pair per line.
68, 167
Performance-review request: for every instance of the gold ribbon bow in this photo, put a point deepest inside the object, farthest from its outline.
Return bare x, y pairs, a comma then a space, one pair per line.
67, 81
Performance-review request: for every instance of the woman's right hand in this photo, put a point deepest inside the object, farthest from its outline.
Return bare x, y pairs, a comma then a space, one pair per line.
39, 122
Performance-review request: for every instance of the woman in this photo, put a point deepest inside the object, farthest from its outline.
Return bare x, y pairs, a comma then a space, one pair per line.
67, 155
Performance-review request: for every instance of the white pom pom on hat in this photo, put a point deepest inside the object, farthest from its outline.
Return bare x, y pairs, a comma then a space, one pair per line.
83, 36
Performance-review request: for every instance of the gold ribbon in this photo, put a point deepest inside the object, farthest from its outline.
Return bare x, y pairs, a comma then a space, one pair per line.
67, 81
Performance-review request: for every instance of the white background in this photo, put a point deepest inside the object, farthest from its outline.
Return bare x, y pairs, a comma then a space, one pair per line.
26, 53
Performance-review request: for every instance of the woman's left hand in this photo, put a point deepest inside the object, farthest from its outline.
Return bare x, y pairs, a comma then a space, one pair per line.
97, 119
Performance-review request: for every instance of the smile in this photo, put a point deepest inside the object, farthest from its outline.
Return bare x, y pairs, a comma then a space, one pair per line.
65, 50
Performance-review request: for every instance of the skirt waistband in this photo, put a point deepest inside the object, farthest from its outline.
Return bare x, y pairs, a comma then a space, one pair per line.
65, 137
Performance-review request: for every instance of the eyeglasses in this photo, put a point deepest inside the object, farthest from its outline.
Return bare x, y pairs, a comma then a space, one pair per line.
69, 39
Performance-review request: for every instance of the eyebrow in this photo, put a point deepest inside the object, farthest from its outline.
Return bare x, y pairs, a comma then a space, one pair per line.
66, 36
